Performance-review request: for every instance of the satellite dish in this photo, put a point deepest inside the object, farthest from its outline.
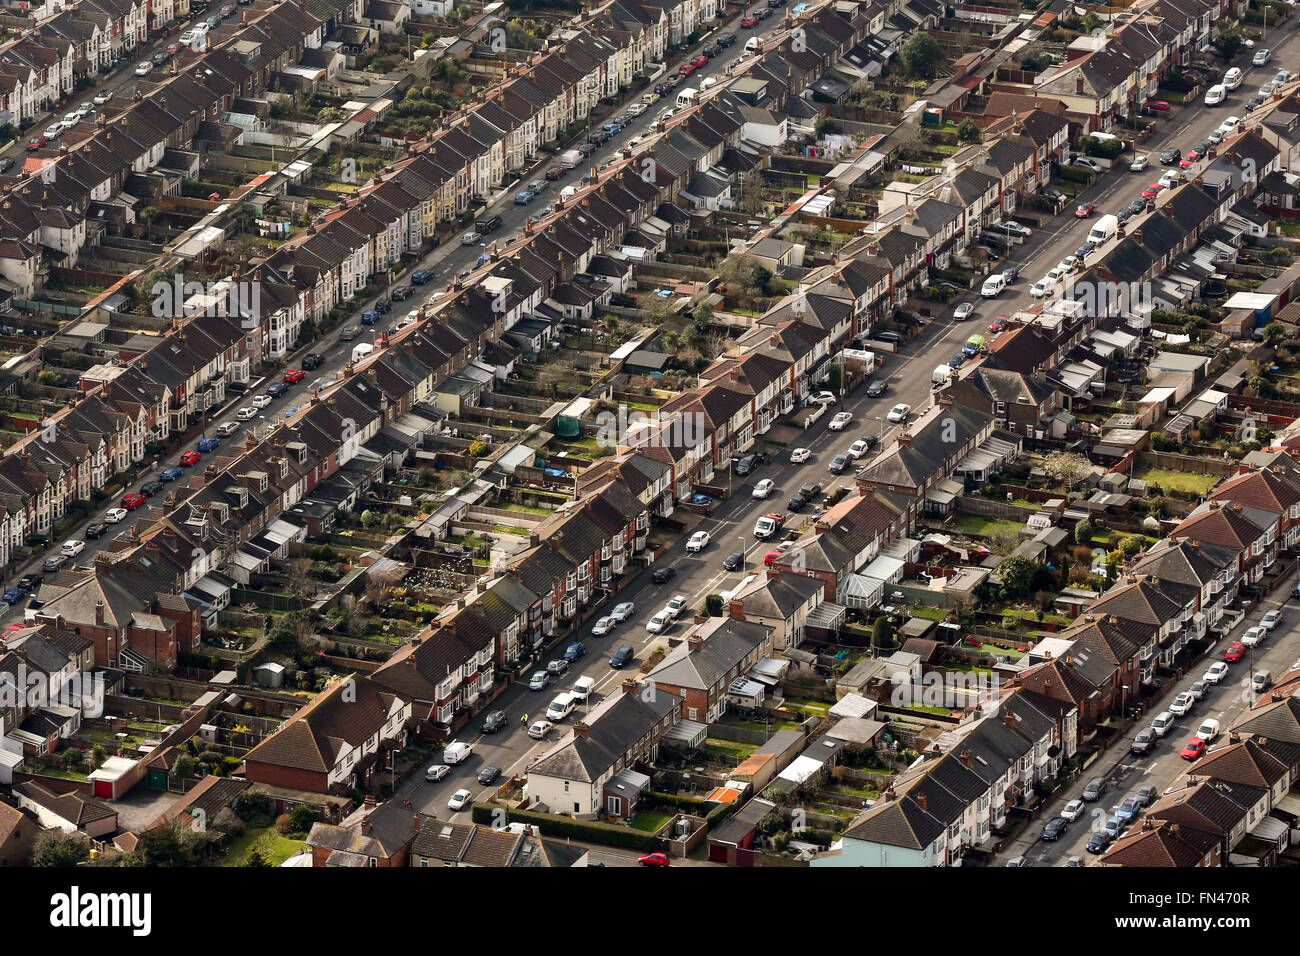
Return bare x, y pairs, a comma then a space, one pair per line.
1099, 31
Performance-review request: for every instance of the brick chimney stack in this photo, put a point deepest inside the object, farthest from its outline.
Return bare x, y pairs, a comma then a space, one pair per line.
630, 685
695, 642
581, 731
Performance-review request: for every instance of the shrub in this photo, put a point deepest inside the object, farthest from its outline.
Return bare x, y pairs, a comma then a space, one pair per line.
283, 825
591, 831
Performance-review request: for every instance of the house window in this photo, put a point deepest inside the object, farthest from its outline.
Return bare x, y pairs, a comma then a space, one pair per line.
373, 861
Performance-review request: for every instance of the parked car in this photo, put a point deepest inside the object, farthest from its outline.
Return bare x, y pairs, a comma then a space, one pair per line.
733, 561
1072, 810
1235, 652
488, 775
622, 657
494, 722
1215, 673
169, 474
1098, 842
72, 548
838, 464
557, 666
1194, 749
436, 772
1252, 636
622, 612
1270, 619
1094, 789
459, 800
876, 388
1055, 828
899, 413
539, 680
151, 488
1182, 704
211, 443
574, 651
114, 515
763, 488
1198, 689
539, 729
1143, 741
698, 541
1169, 156
133, 500
662, 575
840, 421
654, 859
800, 455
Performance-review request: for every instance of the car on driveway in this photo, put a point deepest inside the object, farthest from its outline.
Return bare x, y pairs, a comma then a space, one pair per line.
1158, 106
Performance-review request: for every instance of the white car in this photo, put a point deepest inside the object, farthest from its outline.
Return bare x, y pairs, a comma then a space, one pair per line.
1208, 730
698, 542
85, 109
840, 421
1087, 162
54, 132
72, 548
963, 312
659, 623
603, 626
1072, 810
765, 527
1215, 673
1270, 619
622, 611
1041, 288
1139, 164
261, 401
857, 449
582, 687
1231, 123
114, 515
470, 238
676, 605
227, 428
800, 455
764, 488
1182, 704
1252, 636
636, 109
823, 398
436, 772
540, 728
1067, 265
1054, 276
102, 98
144, 69
899, 412
458, 800
1216, 136
247, 413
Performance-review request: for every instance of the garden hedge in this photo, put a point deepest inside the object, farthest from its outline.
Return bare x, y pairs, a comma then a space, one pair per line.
590, 831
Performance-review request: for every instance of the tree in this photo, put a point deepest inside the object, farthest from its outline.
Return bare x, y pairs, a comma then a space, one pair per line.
477, 449
882, 635
301, 818
147, 215
1083, 533
1017, 575
922, 55
1229, 41
74, 758
57, 848
1067, 466
255, 858
1274, 333
703, 315
968, 132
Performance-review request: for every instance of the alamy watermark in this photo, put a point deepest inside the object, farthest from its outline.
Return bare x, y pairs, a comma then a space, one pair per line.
953, 690
30, 689
651, 430
226, 299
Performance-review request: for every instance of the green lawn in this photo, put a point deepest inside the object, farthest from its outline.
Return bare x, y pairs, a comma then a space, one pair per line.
987, 527
274, 847
649, 821
928, 613
1178, 480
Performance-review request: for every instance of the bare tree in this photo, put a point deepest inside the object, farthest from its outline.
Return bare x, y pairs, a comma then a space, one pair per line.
1067, 466
298, 578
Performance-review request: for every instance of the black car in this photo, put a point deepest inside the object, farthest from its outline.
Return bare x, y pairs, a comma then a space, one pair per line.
662, 575
744, 465
30, 581
711, 50
1084, 250
401, 292
838, 464
796, 503
1055, 828
1254, 103
151, 488
5, 163
1124, 215
989, 251
1137, 205
311, 361
1170, 157
1202, 148
96, 529
1011, 273
488, 775
733, 561
726, 39
876, 389
494, 721
276, 389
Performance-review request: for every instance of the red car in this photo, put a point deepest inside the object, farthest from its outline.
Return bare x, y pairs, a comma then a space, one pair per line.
1187, 162
1235, 653
132, 501
1000, 324
294, 375
37, 143
748, 22
1152, 191
1085, 210
555, 173
174, 47
685, 70
654, 859
190, 458
1194, 750
1160, 106
699, 61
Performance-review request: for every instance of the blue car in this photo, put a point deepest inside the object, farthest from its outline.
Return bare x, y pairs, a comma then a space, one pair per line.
1129, 809
383, 307
522, 198
13, 595
369, 317
211, 443
574, 651
1098, 842
170, 474
276, 389
421, 276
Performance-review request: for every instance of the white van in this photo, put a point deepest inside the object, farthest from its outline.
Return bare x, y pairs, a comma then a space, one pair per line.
753, 45
1163, 723
687, 97
455, 752
561, 707
1215, 94
1232, 79
1104, 230
993, 285
582, 688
